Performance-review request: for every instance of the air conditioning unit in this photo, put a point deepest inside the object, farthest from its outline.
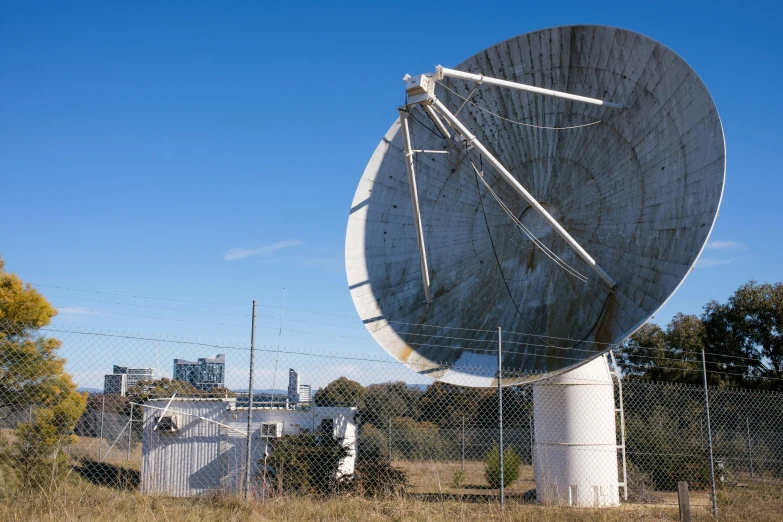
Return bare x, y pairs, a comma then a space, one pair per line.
168, 423
271, 430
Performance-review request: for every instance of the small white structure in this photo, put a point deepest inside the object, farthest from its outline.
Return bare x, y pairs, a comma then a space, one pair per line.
194, 447
575, 450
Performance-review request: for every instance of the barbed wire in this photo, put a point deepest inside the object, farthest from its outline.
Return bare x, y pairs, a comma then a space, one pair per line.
431, 363
418, 325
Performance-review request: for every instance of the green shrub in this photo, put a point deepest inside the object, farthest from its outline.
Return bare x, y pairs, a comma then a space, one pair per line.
376, 477
511, 463
305, 463
458, 479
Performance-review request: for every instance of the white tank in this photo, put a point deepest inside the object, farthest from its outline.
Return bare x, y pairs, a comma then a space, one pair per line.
575, 449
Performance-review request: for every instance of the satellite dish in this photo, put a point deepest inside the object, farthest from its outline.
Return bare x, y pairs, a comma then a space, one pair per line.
608, 172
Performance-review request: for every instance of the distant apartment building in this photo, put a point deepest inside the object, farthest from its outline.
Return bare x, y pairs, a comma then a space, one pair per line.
298, 393
115, 384
305, 394
204, 374
124, 378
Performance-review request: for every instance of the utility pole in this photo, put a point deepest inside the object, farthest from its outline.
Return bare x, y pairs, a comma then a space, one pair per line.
248, 489
709, 434
500, 416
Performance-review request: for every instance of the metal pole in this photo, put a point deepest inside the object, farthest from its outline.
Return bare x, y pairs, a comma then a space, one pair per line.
250, 400
436, 119
709, 434
463, 444
390, 442
500, 416
532, 439
480, 78
522, 191
750, 449
406, 143
100, 441
130, 433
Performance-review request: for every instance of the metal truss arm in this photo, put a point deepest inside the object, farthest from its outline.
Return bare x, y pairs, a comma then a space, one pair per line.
480, 78
517, 186
406, 142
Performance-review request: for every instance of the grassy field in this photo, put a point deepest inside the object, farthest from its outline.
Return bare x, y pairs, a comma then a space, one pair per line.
80, 500
106, 492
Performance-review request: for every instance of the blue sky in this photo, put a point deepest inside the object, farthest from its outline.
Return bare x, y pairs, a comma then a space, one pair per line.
210, 151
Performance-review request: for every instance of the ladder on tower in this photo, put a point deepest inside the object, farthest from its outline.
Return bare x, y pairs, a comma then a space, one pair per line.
620, 447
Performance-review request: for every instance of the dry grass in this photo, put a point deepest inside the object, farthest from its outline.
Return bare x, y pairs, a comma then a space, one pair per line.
90, 448
435, 478
431, 498
78, 499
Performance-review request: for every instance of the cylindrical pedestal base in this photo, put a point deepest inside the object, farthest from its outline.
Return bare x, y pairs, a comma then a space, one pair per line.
575, 450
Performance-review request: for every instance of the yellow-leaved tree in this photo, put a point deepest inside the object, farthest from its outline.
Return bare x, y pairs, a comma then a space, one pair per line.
33, 379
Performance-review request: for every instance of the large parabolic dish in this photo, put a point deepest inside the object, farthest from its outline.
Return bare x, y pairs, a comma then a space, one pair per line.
638, 188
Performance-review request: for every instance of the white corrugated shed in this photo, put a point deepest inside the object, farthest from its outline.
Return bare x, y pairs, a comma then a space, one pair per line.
186, 462
208, 455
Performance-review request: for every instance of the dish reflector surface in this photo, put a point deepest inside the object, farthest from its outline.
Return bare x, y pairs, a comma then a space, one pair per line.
639, 190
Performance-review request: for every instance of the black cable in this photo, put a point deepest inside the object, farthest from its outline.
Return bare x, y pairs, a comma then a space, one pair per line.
437, 134
497, 260
508, 289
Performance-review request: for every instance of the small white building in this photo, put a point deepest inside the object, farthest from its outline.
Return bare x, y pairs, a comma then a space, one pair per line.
198, 446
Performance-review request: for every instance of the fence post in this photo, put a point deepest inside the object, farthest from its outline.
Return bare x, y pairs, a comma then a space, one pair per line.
750, 449
500, 416
390, 442
130, 433
684, 501
532, 437
709, 434
463, 444
100, 438
248, 489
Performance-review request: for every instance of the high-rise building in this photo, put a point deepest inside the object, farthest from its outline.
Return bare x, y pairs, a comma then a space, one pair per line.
135, 374
204, 374
115, 384
298, 393
124, 378
293, 386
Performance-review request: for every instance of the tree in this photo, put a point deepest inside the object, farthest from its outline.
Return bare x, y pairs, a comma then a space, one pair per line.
741, 338
32, 376
165, 388
750, 325
382, 402
340, 392
447, 404
672, 354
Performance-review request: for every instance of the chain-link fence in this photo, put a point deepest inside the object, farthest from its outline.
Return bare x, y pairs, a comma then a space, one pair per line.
174, 417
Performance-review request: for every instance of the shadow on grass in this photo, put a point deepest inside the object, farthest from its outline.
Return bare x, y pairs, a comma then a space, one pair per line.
103, 474
528, 497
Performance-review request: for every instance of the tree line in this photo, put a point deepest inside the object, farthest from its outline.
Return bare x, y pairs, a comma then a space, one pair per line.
742, 339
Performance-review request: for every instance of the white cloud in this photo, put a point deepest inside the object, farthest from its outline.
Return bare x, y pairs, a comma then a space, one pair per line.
720, 244
67, 310
264, 251
708, 262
